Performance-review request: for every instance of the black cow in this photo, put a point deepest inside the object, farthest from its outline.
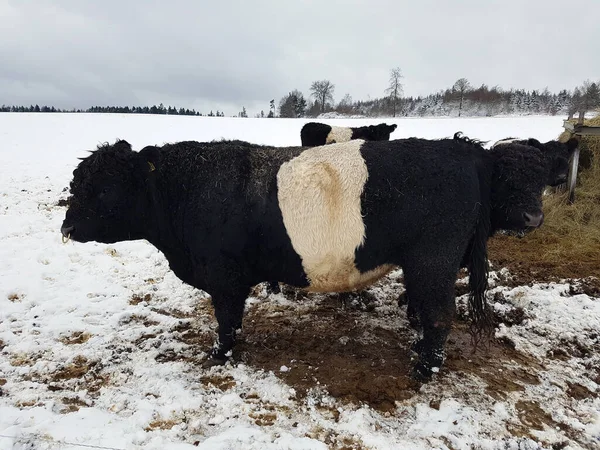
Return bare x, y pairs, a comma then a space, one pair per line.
555, 161
315, 133
228, 215
558, 154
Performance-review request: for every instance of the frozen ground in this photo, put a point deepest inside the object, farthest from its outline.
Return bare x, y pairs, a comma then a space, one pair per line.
100, 345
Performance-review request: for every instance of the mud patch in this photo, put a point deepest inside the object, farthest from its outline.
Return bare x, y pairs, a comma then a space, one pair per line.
589, 286
223, 383
363, 357
264, 419
579, 392
143, 319
525, 260
161, 425
585, 346
81, 373
77, 337
136, 299
72, 404
77, 369
14, 297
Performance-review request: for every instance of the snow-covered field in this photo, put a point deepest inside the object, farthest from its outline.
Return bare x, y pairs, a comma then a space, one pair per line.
101, 345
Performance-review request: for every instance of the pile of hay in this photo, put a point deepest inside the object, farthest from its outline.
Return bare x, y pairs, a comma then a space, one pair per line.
568, 243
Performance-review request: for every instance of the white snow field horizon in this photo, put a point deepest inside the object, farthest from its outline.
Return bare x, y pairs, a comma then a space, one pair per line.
101, 345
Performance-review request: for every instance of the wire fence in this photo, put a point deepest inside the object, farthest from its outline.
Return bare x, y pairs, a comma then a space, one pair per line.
31, 438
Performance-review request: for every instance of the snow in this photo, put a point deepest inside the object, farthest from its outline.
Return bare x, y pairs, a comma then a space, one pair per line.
70, 307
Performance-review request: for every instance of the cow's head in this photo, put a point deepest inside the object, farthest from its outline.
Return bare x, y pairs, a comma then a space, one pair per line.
108, 195
518, 181
382, 131
557, 155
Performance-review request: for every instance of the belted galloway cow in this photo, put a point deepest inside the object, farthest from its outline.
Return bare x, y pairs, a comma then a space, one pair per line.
228, 215
314, 134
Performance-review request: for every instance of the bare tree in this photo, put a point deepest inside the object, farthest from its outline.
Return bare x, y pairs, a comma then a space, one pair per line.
322, 91
394, 89
345, 105
461, 87
575, 103
271, 109
585, 98
590, 98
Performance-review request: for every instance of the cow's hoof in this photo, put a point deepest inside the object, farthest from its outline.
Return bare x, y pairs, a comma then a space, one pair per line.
402, 299
421, 373
417, 346
273, 288
212, 361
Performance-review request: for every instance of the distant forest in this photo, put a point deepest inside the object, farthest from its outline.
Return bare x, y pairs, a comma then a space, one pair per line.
160, 109
459, 100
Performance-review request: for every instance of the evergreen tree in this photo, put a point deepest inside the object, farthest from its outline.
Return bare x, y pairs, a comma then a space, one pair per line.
292, 105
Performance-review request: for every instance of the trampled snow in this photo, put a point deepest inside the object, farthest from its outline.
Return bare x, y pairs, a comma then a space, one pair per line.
82, 350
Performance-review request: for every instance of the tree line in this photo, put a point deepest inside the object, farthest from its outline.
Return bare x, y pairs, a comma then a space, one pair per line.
458, 100
160, 109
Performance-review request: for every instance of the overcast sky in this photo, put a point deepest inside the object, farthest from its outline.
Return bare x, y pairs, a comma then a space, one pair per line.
232, 53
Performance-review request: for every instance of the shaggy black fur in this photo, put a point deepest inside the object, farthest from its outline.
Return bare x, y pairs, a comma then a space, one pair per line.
212, 209
379, 132
557, 155
315, 133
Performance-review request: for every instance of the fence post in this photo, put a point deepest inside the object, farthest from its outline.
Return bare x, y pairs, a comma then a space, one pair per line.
573, 175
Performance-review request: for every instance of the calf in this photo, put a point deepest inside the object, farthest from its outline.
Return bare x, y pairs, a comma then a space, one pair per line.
228, 215
314, 133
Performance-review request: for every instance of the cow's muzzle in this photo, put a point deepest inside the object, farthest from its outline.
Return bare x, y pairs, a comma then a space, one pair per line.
533, 220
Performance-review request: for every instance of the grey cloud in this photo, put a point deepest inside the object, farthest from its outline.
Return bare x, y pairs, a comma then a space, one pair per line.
241, 53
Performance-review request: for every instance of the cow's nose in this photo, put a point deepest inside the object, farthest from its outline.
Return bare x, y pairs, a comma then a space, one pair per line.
66, 231
533, 220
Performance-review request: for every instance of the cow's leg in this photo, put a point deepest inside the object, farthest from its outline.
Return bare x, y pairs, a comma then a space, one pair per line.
412, 312
229, 310
430, 286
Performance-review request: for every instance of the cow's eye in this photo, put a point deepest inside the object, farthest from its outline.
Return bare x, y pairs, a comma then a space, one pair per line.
104, 192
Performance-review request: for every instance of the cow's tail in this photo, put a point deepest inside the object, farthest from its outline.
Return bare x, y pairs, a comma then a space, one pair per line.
482, 321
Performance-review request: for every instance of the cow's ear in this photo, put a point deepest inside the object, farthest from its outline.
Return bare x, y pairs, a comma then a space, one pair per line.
149, 158
122, 145
534, 142
572, 144
393, 127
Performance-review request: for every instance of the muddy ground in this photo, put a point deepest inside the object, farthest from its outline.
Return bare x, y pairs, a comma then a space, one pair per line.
357, 349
